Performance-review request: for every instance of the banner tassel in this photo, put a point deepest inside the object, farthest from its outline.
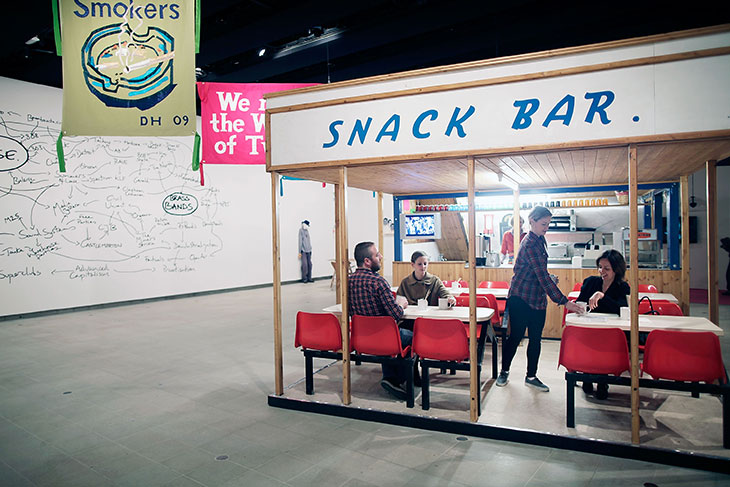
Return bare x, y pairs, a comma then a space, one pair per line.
196, 152
197, 26
56, 27
59, 152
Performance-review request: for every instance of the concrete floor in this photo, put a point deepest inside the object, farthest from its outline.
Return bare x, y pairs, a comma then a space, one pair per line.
173, 393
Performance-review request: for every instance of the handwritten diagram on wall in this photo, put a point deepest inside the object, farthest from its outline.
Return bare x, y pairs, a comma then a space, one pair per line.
128, 220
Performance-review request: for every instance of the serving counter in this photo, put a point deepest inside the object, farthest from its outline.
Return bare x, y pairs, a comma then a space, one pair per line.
666, 281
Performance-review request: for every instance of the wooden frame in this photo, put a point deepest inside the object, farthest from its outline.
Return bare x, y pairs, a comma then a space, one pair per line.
708, 145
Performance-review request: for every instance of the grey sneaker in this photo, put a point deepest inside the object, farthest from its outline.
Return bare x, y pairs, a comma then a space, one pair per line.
536, 384
503, 378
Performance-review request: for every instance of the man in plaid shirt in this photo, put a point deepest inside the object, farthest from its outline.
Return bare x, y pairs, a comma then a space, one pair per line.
370, 295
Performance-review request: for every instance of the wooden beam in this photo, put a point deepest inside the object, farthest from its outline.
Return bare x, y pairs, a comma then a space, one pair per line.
516, 232
338, 257
380, 227
278, 358
684, 195
343, 265
713, 305
474, 388
634, 299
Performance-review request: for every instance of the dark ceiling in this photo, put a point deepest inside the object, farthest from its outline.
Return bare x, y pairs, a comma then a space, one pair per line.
374, 37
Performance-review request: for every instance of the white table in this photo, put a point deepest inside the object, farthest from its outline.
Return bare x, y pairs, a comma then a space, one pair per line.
412, 312
653, 296
498, 293
458, 312
647, 323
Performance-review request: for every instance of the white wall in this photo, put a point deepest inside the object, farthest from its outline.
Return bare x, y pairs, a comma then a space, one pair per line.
100, 232
301, 200
698, 251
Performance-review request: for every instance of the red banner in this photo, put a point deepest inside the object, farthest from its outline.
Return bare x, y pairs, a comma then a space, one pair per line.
233, 117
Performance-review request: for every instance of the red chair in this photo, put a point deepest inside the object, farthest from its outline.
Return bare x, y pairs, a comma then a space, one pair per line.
588, 354
441, 344
647, 288
689, 356
668, 308
594, 350
659, 306
376, 339
485, 301
577, 286
483, 284
501, 303
319, 335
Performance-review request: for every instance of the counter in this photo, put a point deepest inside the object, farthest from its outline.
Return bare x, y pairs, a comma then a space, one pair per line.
666, 281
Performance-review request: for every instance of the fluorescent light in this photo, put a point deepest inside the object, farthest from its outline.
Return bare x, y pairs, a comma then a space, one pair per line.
329, 35
262, 51
32, 41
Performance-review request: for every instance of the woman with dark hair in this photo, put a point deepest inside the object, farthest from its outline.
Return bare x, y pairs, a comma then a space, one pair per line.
527, 299
605, 293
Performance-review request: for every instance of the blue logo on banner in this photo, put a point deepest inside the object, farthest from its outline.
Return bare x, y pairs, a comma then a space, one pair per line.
127, 69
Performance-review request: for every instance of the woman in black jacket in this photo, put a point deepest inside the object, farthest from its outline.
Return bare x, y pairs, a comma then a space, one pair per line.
605, 293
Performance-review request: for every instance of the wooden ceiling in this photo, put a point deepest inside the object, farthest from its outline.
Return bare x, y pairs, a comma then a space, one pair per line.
548, 169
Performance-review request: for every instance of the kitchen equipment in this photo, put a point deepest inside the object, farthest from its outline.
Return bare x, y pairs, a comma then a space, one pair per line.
564, 222
492, 259
557, 250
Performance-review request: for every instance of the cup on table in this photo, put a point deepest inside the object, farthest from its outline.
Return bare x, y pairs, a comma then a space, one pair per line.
583, 306
443, 303
422, 304
625, 313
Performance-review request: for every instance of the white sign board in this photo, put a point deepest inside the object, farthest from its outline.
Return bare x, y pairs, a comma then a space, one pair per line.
669, 98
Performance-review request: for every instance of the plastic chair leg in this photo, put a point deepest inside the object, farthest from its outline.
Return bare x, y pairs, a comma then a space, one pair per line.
425, 388
309, 374
726, 419
409, 384
570, 402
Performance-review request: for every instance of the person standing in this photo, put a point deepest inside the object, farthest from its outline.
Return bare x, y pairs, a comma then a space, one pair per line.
305, 252
508, 241
369, 295
725, 245
527, 299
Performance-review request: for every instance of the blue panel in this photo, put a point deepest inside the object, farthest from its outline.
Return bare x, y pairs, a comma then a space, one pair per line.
397, 241
658, 214
673, 227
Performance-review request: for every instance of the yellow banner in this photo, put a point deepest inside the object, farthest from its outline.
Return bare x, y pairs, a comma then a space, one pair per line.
128, 67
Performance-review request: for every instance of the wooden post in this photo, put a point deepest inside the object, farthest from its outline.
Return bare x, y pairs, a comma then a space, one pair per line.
684, 195
713, 305
516, 227
380, 227
343, 265
474, 388
278, 358
634, 299
338, 257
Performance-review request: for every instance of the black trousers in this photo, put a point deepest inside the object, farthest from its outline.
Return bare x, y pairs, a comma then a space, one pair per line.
522, 317
306, 266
